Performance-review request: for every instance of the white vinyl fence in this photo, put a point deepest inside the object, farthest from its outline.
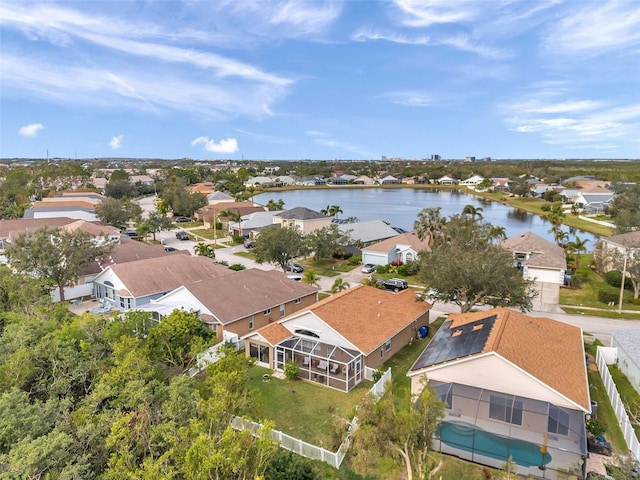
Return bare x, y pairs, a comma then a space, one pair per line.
618, 407
213, 354
307, 449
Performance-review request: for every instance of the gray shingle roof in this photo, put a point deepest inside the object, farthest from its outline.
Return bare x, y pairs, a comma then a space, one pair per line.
629, 340
369, 231
542, 252
301, 213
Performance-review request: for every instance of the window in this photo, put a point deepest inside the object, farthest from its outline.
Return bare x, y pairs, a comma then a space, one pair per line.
505, 409
282, 310
298, 300
558, 421
387, 345
251, 321
267, 311
382, 352
308, 333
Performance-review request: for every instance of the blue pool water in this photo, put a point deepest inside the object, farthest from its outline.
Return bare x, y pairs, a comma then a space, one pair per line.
465, 436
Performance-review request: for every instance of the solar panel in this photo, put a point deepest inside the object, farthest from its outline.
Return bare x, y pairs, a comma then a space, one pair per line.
450, 344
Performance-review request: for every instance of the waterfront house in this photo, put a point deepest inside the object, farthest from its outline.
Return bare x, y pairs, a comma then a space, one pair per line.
302, 219
401, 248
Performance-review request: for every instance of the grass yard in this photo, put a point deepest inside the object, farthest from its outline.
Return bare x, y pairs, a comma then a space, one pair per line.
328, 268
605, 410
207, 233
628, 395
302, 409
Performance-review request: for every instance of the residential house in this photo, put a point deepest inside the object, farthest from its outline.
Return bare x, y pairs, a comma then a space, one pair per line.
627, 343
402, 248
389, 180
363, 180
511, 384
615, 248
270, 181
543, 262
501, 183
367, 232
447, 180
341, 179
129, 285
343, 338
215, 198
303, 219
220, 212
473, 181
593, 203
203, 188
76, 205
252, 223
239, 303
141, 180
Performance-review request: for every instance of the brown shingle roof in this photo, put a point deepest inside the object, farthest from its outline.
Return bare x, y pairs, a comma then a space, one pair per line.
248, 292
56, 204
409, 238
543, 252
368, 316
163, 274
11, 228
93, 228
629, 240
275, 333
549, 350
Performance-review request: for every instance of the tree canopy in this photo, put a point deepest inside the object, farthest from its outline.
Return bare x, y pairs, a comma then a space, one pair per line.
279, 246
55, 254
465, 267
327, 241
118, 212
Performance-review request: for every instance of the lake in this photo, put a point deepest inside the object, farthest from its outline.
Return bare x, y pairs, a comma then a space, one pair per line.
400, 206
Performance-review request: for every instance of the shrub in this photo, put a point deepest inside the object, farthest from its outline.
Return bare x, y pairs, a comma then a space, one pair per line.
291, 369
403, 270
578, 278
355, 260
396, 263
607, 297
545, 207
614, 278
382, 269
238, 239
596, 426
237, 267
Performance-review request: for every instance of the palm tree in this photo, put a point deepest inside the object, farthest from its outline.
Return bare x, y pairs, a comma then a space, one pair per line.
311, 278
555, 216
579, 246
472, 211
430, 224
205, 250
497, 233
339, 285
335, 210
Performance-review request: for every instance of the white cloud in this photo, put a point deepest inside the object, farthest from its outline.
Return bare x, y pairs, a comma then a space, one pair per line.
30, 130
410, 99
417, 13
116, 142
597, 28
229, 145
304, 16
314, 133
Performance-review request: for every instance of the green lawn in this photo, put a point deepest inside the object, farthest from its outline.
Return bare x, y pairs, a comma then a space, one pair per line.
207, 233
303, 409
628, 395
605, 410
328, 267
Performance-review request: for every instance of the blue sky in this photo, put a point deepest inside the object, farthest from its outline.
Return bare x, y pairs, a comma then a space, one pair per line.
320, 80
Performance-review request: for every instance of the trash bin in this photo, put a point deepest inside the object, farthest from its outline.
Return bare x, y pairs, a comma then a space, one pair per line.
594, 409
423, 331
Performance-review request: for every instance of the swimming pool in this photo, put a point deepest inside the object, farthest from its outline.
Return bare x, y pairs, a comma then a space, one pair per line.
470, 438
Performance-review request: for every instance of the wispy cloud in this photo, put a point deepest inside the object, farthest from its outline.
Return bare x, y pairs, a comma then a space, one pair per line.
596, 29
574, 123
30, 130
410, 99
321, 138
417, 13
305, 17
116, 142
228, 145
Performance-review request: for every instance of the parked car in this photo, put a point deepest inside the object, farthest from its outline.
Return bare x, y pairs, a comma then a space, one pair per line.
249, 243
169, 249
131, 234
182, 235
294, 277
368, 268
395, 284
182, 219
295, 268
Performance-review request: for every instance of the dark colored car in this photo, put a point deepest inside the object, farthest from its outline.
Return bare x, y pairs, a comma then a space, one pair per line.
169, 249
182, 219
131, 234
295, 268
182, 236
395, 284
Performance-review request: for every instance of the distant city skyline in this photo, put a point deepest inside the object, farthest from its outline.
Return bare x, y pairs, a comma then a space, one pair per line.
302, 79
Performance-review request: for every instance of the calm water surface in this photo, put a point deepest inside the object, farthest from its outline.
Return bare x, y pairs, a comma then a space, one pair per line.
400, 207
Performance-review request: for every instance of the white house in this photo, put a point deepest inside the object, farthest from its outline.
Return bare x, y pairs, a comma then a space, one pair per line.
402, 248
511, 384
541, 261
472, 181
302, 219
447, 180
628, 344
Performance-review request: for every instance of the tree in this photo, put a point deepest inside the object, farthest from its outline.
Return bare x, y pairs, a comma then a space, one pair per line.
579, 246
273, 205
339, 285
279, 246
473, 212
55, 254
386, 431
158, 222
119, 185
118, 212
143, 229
205, 250
178, 339
327, 241
465, 268
310, 277
331, 210
556, 215
429, 224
